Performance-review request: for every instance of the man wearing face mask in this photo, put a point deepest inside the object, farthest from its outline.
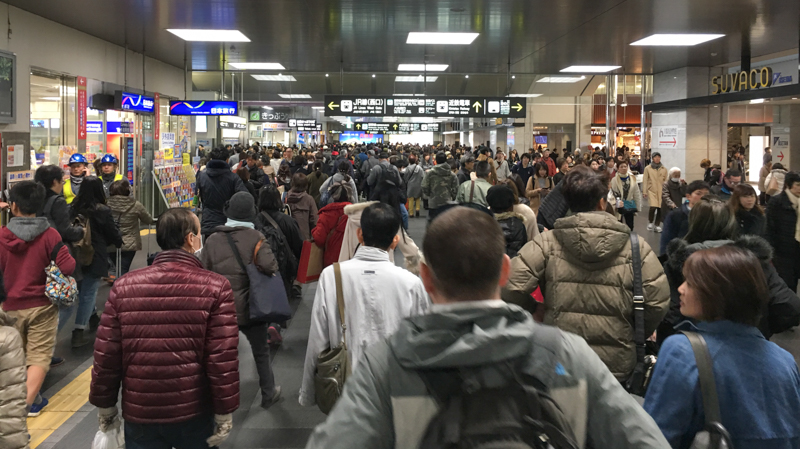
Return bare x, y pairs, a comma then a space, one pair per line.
77, 171
672, 192
173, 308
108, 167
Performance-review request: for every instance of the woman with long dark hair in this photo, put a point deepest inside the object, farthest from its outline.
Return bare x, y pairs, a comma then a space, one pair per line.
315, 180
749, 213
90, 205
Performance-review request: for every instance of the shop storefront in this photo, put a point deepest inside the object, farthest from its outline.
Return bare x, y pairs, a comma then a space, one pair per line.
268, 126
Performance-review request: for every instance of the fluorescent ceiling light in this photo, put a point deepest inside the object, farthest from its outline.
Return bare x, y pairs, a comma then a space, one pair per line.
560, 79
267, 108
422, 67
408, 95
317, 107
256, 65
274, 77
294, 95
677, 40
414, 79
50, 98
210, 35
757, 101
525, 95
590, 68
441, 38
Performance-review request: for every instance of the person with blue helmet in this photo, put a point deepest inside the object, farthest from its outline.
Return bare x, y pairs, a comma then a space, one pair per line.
108, 171
77, 171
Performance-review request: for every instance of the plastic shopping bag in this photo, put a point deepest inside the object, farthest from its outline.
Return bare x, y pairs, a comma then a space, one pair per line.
114, 438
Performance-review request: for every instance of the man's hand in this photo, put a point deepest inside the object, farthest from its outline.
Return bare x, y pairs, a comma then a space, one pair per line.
222, 429
108, 419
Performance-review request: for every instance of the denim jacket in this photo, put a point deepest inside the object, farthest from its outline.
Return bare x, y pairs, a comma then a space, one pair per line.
758, 385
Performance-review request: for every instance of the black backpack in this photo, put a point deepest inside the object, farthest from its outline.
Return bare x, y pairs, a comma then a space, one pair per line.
389, 188
287, 262
518, 414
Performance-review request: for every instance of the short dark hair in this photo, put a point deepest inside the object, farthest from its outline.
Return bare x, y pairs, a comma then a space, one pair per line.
441, 158
697, 185
299, 182
28, 196
791, 178
583, 188
732, 173
729, 282
482, 169
344, 167
121, 187
46, 174
526, 155
449, 248
711, 219
379, 224
269, 199
173, 226
219, 154
540, 166
778, 166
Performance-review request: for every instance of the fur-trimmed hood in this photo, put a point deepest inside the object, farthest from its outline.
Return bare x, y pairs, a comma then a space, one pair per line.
353, 209
679, 250
506, 215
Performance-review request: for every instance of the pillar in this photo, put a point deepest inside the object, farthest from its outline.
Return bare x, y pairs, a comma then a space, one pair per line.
611, 114
502, 137
785, 136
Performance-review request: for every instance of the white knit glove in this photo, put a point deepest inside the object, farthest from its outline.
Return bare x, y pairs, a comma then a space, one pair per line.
222, 429
108, 419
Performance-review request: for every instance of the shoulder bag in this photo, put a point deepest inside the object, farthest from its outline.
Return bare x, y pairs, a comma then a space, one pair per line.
267, 301
333, 366
714, 435
640, 378
62, 290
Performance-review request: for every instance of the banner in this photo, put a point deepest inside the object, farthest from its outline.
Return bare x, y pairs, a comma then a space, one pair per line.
81, 108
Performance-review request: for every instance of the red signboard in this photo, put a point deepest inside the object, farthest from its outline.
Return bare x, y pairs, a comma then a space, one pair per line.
81, 108
157, 126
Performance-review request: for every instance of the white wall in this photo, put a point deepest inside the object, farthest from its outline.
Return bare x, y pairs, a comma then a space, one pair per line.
41, 43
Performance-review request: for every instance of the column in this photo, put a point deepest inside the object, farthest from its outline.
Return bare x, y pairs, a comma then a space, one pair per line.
611, 114
786, 136
502, 136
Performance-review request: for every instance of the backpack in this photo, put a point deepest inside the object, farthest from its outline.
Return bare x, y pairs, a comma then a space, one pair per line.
287, 262
84, 251
517, 414
62, 290
388, 189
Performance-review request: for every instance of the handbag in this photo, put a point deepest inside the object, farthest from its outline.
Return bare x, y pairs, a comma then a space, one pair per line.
333, 367
62, 290
714, 435
629, 205
640, 378
772, 188
268, 301
310, 263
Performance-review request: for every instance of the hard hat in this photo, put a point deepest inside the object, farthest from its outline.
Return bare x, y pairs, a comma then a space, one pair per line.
77, 158
109, 159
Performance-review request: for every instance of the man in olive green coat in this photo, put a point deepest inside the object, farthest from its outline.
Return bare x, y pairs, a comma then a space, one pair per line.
583, 267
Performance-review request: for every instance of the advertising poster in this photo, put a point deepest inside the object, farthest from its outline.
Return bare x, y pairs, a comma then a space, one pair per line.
81, 108
780, 146
15, 154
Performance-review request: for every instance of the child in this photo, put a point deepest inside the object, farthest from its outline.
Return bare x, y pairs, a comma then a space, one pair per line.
26, 245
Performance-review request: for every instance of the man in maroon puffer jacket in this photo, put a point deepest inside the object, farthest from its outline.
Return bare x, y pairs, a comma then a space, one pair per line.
169, 335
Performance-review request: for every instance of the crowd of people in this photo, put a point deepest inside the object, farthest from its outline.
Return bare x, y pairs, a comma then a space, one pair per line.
447, 350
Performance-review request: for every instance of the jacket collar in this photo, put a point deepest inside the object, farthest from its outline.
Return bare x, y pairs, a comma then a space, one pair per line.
371, 254
722, 327
178, 256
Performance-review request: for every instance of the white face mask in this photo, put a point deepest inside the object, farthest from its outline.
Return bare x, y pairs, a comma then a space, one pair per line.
674, 179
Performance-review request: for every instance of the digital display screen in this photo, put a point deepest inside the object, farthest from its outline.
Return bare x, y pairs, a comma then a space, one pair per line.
396, 128
540, 140
369, 106
127, 101
358, 137
199, 107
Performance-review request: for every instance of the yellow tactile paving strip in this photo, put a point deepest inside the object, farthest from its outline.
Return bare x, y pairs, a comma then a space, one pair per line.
62, 405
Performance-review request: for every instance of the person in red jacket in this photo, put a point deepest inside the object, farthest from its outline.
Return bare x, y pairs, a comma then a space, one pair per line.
27, 245
551, 164
169, 336
329, 232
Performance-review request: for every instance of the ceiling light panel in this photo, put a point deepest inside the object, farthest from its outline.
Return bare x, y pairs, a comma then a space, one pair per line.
257, 65
317, 107
590, 68
414, 79
274, 77
441, 38
422, 67
210, 35
676, 40
560, 79
525, 95
294, 96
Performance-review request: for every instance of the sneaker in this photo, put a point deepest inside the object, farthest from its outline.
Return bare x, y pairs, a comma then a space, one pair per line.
56, 361
658, 228
94, 322
274, 336
650, 227
80, 338
267, 403
36, 409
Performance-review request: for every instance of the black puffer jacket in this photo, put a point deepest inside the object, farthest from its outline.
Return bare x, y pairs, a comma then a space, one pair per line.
217, 184
751, 222
781, 226
553, 207
783, 311
513, 226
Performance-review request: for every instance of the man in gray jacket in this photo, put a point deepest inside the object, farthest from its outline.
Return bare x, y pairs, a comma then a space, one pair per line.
386, 403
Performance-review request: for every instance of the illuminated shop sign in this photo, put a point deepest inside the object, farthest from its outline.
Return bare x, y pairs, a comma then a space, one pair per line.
198, 107
127, 101
742, 81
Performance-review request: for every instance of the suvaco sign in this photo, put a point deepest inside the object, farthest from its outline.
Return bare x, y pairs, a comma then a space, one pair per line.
742, 81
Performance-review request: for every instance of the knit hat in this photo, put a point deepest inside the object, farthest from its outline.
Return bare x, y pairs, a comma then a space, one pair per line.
500, 198
656, 154
241, 207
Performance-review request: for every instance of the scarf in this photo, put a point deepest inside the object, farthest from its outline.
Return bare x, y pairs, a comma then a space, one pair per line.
76, 180
231, 223
796, 205
655, 166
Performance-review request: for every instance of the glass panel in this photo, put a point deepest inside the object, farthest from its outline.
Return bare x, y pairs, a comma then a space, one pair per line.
46, 118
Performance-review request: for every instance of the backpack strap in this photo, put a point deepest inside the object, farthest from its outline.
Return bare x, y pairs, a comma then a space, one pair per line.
236, 251
337, 272
639, 337
338, 222
48, 206
56, 249
275, 225
471, 191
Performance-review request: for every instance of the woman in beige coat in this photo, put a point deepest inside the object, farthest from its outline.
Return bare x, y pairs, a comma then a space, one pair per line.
655, 175
13, 415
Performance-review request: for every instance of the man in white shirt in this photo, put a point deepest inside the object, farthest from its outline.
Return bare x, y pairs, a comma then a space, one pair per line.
378, 295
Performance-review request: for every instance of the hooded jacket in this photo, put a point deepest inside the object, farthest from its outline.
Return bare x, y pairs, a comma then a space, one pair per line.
387, 405
304, 210
513, 226
129, 213
217, 184
439, 186
413, 176
25, 248
584, 270
13, 391
779, 175
329, 232
337, 177
783, 310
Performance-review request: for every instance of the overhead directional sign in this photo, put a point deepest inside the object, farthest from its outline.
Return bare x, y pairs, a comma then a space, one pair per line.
395, 128
367, 106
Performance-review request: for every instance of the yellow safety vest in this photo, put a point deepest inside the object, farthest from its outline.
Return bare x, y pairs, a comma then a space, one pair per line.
68, 195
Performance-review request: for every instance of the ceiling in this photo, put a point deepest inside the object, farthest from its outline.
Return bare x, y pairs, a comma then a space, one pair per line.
359, 38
